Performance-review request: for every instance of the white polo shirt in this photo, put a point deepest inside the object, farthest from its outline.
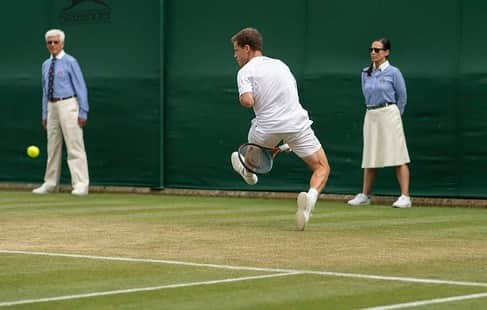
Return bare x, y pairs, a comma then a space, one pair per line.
277, 108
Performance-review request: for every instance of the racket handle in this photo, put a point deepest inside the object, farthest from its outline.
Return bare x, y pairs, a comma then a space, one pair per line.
284, 148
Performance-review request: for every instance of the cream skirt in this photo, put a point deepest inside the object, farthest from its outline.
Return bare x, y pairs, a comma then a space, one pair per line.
384, 140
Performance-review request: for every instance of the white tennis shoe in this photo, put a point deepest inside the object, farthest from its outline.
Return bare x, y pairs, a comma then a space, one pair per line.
80, 191
43, 189
359, 200
402, 202
304, 211
249, 177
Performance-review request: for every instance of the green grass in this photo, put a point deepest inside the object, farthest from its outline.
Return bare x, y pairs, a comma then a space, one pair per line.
433, 243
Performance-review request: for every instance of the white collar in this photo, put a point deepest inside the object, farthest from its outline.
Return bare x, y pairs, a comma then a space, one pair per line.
60, 55
383, 66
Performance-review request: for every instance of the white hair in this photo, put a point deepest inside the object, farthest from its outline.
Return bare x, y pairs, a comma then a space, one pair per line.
55, 33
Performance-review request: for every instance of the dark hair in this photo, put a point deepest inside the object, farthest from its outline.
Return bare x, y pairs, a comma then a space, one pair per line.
249, 36
386, 45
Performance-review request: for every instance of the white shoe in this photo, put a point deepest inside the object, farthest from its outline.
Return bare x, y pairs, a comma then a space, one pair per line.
402, 202
249, 178
304, 211
43, 189
80, 191
359, 200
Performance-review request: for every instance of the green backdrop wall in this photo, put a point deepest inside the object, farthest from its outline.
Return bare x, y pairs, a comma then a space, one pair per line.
164, 106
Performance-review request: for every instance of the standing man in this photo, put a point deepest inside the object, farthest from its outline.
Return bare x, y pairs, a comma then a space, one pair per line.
64, 114
268, 87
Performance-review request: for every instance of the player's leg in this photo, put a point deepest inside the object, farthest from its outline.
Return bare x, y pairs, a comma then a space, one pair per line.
257, 137
249, 177
307, 146
318, 163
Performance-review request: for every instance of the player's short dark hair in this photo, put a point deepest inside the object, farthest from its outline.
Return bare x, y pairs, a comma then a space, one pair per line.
249, 36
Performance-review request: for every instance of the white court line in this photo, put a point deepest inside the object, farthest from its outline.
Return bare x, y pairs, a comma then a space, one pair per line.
324, 273
145, 260
428, 302
142, 289
390, 278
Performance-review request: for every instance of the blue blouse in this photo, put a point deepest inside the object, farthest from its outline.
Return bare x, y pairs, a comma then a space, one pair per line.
385, 84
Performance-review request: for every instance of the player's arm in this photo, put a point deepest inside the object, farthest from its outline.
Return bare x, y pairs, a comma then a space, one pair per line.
247, 99
245, 89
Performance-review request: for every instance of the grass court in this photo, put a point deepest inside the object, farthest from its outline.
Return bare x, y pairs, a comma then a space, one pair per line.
141, 251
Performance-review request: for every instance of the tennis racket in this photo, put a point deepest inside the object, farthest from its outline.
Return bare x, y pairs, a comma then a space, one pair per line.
259, 159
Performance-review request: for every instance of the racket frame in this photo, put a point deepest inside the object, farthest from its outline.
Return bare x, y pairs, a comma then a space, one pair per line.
273, 152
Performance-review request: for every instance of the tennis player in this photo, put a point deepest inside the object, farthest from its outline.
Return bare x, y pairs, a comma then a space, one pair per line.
268, 87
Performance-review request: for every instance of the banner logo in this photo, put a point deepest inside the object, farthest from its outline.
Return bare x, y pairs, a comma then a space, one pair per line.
86, 12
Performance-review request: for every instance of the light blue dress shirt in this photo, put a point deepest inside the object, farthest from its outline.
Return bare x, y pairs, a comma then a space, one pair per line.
386, 84
68, 81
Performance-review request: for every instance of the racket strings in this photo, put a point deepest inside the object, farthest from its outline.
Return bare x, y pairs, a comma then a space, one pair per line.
256, 159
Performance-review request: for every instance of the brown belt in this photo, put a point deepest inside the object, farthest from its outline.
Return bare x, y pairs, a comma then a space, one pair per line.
59, 99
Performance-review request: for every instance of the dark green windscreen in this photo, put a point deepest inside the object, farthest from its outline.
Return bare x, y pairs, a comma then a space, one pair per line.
164, 103
118, 48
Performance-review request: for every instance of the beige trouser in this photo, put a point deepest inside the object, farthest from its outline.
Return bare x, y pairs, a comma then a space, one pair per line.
62, 125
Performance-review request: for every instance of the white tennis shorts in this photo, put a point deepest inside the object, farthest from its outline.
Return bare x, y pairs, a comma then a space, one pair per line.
303, 143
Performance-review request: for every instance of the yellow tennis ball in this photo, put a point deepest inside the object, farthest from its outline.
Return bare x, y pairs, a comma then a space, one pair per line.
33, 151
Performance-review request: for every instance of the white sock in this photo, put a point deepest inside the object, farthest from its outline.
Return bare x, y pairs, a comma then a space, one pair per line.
313, 195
